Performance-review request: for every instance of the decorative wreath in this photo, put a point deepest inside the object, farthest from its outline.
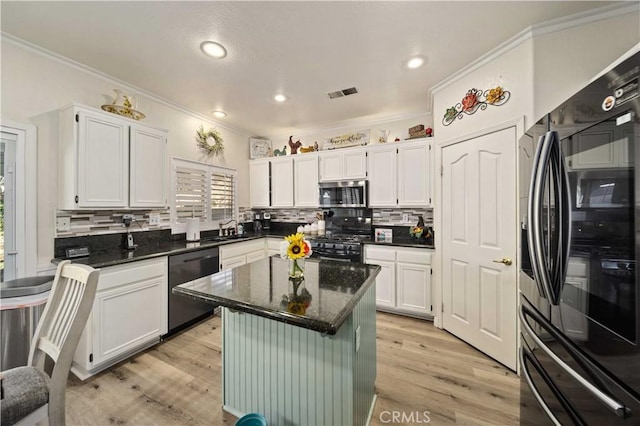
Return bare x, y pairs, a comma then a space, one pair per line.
202, 140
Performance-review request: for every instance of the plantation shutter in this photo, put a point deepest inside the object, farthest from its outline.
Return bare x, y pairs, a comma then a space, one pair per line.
191, 193
223, 196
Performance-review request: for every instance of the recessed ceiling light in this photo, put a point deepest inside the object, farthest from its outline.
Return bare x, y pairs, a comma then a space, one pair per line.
280, 98
415, 62
219, 114
213, 49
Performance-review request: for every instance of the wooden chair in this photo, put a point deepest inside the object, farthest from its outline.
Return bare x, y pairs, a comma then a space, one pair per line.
37, 391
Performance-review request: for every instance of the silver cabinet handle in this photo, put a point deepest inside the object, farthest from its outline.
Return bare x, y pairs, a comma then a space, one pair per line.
534, 389
609, 402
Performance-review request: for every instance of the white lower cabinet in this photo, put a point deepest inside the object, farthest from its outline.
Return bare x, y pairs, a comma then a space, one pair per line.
238, 254
273, 245
404, 283
129, 314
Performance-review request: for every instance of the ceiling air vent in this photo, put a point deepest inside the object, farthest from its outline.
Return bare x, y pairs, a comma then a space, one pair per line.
343, 92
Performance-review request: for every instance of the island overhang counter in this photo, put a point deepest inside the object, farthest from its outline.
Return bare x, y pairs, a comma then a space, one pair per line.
305, 356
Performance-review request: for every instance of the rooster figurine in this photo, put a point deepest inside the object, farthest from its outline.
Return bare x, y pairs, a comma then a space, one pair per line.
278, 152
294, 145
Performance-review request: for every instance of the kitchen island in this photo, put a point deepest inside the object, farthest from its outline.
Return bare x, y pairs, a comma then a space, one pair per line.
305, 357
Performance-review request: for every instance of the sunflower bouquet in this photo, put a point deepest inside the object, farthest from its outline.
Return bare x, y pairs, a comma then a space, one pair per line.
296, 249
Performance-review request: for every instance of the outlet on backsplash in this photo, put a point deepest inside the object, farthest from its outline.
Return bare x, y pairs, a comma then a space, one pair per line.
154, 218
405, 217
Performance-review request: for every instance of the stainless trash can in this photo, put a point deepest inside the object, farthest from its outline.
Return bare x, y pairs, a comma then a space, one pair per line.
21, 304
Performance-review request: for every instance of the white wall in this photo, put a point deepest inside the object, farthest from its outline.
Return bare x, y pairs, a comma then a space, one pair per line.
34, 85
512, 70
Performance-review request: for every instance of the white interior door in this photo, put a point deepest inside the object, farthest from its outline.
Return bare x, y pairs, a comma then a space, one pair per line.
479, 231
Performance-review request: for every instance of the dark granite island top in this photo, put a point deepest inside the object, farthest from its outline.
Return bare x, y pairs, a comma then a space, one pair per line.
259, 288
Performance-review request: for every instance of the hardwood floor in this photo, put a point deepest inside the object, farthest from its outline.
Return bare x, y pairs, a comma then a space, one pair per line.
424, 373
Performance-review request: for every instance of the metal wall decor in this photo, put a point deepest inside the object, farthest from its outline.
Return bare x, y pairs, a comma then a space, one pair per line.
475, 100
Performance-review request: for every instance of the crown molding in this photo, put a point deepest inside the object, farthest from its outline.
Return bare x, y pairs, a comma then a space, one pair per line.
41, 51
548, 27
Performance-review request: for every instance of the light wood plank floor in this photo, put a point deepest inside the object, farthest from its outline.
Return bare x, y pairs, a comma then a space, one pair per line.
420, 369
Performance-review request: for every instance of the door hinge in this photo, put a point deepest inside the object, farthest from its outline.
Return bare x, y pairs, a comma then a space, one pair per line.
431, 271
441, 170
442, 306
429, 200
431, 308
77, 118
76, 198
90, 357
429, 147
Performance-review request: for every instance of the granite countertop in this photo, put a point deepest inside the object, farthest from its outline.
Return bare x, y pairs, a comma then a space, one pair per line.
259, 287
116, 256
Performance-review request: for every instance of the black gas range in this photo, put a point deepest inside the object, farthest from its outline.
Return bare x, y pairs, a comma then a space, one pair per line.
347, 248
346, 230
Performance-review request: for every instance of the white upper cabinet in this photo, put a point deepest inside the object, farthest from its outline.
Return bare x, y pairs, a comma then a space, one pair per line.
341, 164
383, 176
305, 180
109, 162
259, 183
282, 182
414, 174
400, 174
148, 181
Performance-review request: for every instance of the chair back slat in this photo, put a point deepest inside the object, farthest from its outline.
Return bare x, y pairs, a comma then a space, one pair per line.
74, 286
67, 309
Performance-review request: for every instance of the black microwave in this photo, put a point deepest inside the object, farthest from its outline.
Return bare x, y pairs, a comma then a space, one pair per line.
344, 193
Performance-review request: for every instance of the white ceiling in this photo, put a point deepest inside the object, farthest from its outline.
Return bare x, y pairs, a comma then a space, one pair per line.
302, 49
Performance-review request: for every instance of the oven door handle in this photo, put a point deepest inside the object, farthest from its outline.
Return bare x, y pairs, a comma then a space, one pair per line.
618, 408
337, 259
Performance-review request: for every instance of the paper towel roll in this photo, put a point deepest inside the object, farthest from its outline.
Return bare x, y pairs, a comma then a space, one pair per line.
193, 229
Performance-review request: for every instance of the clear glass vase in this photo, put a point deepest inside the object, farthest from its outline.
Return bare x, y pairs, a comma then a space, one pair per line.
296, 268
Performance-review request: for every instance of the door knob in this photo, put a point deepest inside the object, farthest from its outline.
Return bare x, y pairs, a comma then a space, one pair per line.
504, 260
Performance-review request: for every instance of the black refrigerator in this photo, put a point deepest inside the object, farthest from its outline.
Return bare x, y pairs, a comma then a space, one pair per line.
579, 307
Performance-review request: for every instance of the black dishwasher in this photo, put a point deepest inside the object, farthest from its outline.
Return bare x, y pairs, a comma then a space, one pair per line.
183, 268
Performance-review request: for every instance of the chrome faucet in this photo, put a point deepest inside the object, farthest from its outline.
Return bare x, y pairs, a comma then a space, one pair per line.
221, 224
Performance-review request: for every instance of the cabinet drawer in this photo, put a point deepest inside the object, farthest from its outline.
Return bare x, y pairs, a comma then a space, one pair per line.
380, 253
239, 249
419, 256
114, 276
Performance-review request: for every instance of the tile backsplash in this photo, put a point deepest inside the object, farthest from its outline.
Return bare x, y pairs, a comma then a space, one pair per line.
380, 216
99, 222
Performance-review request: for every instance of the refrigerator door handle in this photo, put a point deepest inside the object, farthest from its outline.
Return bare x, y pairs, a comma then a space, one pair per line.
536, 232
566, 220
619, 409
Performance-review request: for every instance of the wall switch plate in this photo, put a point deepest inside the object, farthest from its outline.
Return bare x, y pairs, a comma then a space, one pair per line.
63, 224
154, 218
405, 217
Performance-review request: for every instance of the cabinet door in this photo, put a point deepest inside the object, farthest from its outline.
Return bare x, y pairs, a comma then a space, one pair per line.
385, 284
413, 175
282, 182
305, 180
259, 183
331, 164
127, 317
103, 161
382, 177
414, 288
148, 180
354, 164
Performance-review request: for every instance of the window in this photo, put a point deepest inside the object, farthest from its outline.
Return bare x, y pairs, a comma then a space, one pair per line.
203, 191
